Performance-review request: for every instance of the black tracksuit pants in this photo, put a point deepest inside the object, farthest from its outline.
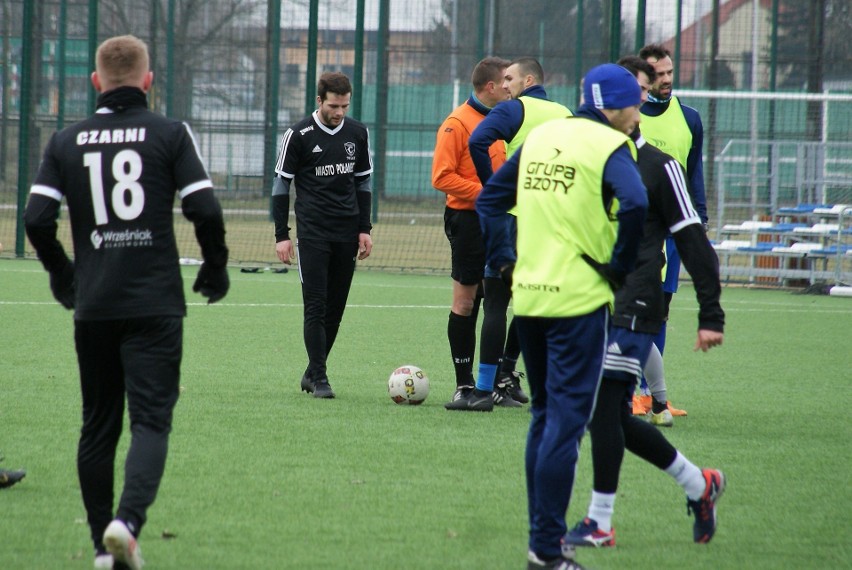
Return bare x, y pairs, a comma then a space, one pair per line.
141, 358
325, 270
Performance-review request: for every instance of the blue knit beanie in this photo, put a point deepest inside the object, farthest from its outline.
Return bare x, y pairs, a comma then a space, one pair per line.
610, 86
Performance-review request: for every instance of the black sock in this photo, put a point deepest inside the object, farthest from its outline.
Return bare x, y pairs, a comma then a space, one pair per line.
493, 336
658, 407
507, 365
512, 350
461, 332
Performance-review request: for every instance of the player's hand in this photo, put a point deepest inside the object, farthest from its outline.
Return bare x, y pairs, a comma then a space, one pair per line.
507, 274
284, 250
707, 339
212, 283
365, 246
612, 276
62, 285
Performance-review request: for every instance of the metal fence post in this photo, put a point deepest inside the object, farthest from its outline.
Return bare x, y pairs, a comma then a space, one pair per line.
273, 82
358, 70
578, 51
60, 64
93, 48
170, 58
379, 165
615, 30
311, 71
640, 26
5, 84
28, 45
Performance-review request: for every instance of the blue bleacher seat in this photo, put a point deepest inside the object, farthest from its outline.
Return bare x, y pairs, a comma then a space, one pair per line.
761, 247
834, 249
802, 208
784, 227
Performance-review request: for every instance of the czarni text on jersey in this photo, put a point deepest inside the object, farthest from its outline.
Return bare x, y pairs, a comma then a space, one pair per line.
334, 169
135, 134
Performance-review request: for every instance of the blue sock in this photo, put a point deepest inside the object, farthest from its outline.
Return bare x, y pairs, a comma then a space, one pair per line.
660, 339
485, 378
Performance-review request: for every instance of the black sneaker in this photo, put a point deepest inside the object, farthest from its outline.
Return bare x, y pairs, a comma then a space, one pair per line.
9, 478
320, 388
121, 543
502, 398
511, 383
462, 392
469, 401
704, 508
307, 384
103, 559
561, 563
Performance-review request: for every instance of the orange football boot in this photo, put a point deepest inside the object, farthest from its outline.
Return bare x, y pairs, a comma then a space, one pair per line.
641, 405
674, 411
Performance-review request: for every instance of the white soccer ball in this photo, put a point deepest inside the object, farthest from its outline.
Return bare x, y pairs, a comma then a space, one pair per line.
408, 385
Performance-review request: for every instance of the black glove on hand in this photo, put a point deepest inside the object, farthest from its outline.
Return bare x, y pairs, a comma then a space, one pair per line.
62, 285
212, 283
507, 272
614, 277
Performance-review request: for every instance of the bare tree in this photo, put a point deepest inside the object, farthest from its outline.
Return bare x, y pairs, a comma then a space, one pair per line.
544, 29
208, 42
800, 49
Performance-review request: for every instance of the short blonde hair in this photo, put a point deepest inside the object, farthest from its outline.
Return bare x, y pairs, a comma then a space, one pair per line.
122, 60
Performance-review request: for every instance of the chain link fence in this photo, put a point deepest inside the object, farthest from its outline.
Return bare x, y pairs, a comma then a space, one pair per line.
240, 71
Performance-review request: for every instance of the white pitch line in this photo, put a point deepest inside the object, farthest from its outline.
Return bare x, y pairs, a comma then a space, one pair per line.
299, 306
228, 305
246, 305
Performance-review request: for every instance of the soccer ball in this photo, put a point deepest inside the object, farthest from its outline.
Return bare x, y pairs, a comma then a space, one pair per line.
408, 385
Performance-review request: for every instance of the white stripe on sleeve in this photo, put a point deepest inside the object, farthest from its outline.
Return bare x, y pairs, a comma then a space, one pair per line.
279, 164
195, 145
194, 187
48, 191
678, 183
369, 157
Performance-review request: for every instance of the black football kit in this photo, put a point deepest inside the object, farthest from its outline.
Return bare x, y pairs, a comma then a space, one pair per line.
639, 313
330, 168
640, 304
119, 171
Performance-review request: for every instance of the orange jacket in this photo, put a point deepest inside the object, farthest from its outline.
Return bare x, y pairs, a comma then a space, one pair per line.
452, 169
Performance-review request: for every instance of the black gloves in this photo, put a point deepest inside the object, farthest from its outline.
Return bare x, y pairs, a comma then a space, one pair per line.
614, 277
62, 285
507, 272
212, 283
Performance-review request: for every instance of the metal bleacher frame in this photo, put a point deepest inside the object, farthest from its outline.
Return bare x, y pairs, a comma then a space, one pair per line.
807, 240
779, 251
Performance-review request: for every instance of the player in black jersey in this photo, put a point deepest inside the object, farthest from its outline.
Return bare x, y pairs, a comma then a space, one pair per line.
119, 171
328, 156
639, 313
